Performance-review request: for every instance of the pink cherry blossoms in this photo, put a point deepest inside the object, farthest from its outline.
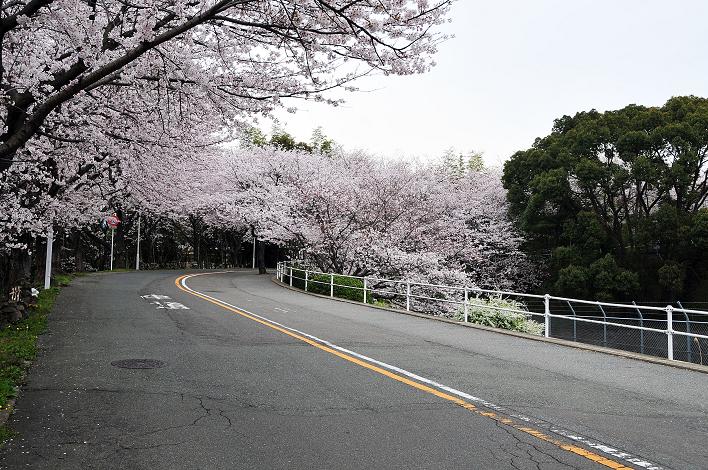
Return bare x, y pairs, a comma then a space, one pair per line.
133, 106
91, 88
353, 214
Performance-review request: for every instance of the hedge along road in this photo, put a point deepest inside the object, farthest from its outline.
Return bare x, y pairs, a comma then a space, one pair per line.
257, 376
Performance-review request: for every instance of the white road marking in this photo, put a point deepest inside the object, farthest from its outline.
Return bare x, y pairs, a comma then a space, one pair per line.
280, 309
601, 447
175, 306
155, 297
169, 305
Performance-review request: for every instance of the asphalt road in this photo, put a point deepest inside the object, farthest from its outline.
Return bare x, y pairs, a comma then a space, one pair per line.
330, 385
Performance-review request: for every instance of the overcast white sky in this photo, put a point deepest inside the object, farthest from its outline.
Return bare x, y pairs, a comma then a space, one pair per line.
515, 66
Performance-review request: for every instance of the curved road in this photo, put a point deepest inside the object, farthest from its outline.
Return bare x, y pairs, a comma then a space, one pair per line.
258, 376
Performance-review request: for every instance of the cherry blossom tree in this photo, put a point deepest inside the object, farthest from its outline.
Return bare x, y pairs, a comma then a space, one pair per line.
353, 214
89, 88
230, 57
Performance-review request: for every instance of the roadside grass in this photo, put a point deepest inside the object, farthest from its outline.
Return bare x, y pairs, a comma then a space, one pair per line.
63, 280
103, 271
18, 346
382, 303
5, 434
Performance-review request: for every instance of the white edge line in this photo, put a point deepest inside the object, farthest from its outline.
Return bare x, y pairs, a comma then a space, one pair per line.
606, 449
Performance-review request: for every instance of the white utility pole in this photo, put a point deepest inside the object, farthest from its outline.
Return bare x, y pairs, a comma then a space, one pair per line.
48, 261
112, 232
254, 252
137, 251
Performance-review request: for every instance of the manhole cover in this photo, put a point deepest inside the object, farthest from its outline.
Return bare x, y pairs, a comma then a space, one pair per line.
138, 364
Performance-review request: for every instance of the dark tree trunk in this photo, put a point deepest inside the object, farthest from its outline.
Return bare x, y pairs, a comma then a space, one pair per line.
260, 257
233, 240
196, 239
4, 274
222, 249
57, 251
103, 261
78, 251
20, 266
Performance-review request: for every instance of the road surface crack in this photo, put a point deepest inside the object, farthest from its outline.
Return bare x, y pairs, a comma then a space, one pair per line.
523, 446
221, 413
206, 414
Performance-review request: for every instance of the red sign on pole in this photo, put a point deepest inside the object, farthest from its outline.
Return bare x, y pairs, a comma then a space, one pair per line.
113, 221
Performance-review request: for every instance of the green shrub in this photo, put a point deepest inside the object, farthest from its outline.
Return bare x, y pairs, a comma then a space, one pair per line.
344, 287
354, 289
298, 278
318, 284
486, 312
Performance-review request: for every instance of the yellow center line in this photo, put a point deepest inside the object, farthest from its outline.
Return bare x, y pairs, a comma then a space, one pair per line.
456, 400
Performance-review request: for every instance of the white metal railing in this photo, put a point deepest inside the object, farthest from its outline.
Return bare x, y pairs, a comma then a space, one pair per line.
547, 305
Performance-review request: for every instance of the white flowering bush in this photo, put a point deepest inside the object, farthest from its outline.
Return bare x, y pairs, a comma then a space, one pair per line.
499, 312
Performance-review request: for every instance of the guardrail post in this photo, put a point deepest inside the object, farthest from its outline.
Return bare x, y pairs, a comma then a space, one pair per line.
547, 315
291, 276
641, 325
604, 326
331, 285
688, 330
467, 309
575, 322
670, 332
307, 276
364, 289
408, 296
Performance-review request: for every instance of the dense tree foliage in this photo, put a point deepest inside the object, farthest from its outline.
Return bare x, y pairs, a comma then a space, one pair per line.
615, 202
